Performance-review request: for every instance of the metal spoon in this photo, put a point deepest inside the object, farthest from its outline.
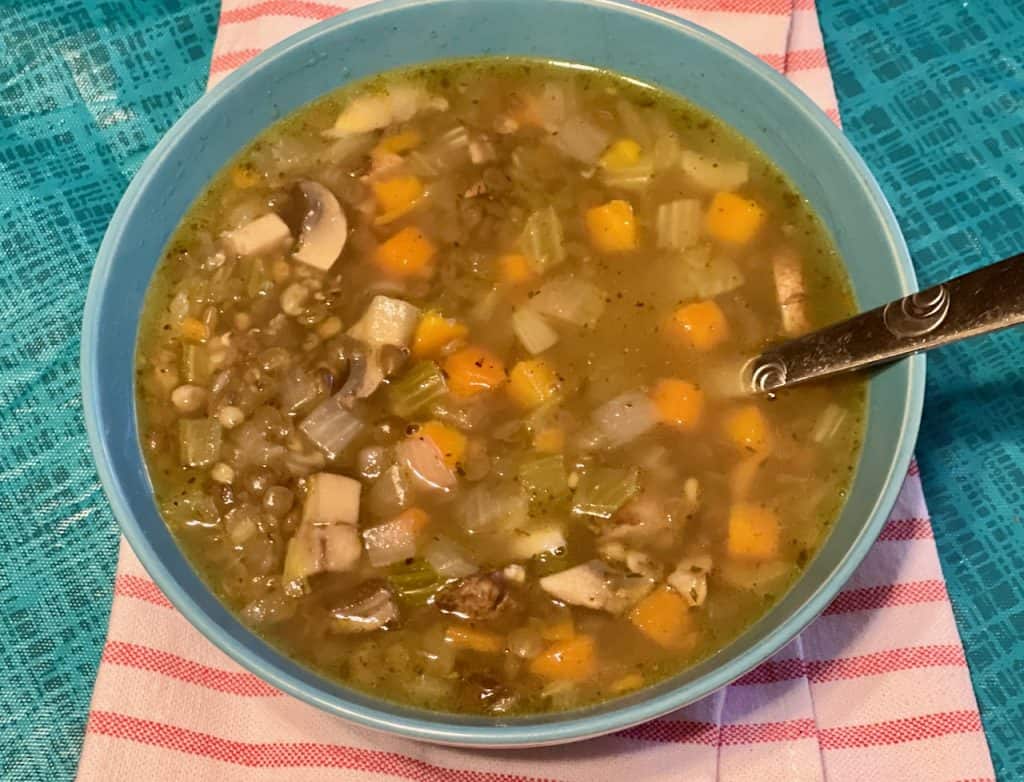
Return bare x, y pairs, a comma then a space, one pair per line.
987, 299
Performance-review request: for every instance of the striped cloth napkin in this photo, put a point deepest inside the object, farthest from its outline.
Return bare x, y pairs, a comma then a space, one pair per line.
875, 689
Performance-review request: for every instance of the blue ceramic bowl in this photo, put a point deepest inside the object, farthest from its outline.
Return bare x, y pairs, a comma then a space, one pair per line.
639, 42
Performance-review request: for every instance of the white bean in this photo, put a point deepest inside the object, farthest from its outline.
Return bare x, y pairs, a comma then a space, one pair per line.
188, 398
222, 473
230, 416
293, 300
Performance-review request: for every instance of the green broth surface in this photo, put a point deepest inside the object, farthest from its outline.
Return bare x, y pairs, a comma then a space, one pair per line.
580, 265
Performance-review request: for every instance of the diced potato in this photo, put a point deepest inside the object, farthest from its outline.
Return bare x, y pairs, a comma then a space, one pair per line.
331, 499
753, 532
664, 617
473, 639
532, 383
434, 332
396, 196
473, 370
450, 442
733, 219
623, 153
748, 429
701, 325
409, 253
515, 269
678, 402
550, 439
612, 227
260, 236
573, 660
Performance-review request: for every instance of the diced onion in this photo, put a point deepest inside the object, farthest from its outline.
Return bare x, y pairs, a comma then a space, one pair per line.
389, 542
524, 544
571, 300
678, 224
425, 463
714, 174
331, 427
533, 331
580, 139
625, 418
448, 558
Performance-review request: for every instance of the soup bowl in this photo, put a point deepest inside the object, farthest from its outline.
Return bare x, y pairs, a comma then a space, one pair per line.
638, 42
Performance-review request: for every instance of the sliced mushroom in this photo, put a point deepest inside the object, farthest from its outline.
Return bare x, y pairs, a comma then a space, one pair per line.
324, 227
258, 236
595, 585
787, 269
371, 607
475, 597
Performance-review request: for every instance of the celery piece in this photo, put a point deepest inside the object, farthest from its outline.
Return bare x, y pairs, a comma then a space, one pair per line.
416, 389
200, 441
603, 490
678, 224
542, 240
544, 478
195, 363
414, 583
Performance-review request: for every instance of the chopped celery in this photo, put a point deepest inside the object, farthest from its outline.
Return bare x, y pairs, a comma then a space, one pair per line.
416, 389
414, 583
544, 478
678, 224
603, 490
195, 363
542, 240
200, 441
635, 177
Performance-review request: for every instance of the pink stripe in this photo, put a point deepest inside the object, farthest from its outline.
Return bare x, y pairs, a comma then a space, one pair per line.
833, 114
767, 7
282, 754
232, 60
888, 595
709, 734
805, 59
906, 529
140, 589
926, 726
297, 8
172, 666
876, 664
915, 468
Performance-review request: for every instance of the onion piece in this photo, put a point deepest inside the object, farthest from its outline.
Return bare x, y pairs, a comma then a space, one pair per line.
397, 103
332, 427
425, 463
678, 224
713, 174
581, 139
524, 544
448, 558
624, 418
571, 300
390, 542
533, 331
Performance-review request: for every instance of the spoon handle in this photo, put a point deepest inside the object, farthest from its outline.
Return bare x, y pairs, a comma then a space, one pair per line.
987, 299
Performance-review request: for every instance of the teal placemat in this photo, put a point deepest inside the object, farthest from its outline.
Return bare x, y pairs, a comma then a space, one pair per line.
932, 95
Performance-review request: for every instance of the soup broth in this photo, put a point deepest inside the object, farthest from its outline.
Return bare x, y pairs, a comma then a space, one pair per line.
438, 386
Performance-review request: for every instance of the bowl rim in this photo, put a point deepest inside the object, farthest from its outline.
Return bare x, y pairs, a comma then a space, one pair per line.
434, 728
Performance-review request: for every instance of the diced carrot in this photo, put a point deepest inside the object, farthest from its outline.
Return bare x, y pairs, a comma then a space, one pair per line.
631, 681
753, 532
414, 518
396, 196
532, 383
433, 332
678, 402
515, 269
397, 143
450, 442
562, 630
244, 177
574, 660
623, 153
473, 370
462, 637
748, 429
551, 439
732, 218
664, 617
409, 253
193, 330
612, 226
701, 325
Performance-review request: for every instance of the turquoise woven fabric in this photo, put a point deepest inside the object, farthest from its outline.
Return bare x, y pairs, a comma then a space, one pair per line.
932, 94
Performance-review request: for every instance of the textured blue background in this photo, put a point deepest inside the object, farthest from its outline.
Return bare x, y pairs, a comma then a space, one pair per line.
932, 94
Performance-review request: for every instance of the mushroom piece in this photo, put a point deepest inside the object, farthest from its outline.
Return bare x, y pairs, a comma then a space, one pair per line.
387, 321
324, 227
595, 585
371, 607
480, 596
